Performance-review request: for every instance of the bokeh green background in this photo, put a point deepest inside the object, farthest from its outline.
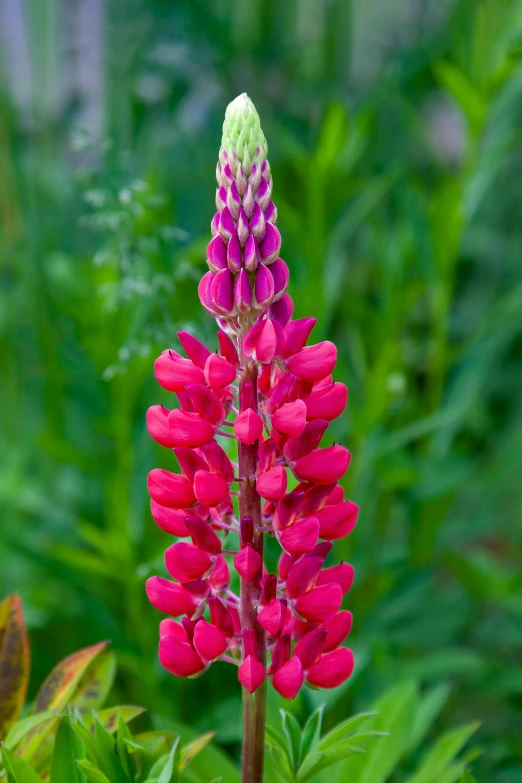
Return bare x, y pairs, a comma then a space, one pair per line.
394, 133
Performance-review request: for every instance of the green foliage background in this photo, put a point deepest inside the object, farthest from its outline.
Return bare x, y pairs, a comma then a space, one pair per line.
395, 143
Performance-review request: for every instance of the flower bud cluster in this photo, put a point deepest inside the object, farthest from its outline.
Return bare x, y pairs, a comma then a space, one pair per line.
280, 418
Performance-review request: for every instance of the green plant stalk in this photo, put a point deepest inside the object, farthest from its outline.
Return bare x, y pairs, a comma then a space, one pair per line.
254, 705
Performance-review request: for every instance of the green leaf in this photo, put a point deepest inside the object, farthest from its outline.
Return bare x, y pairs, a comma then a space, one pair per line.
109, 716
467, 777
17, 732
442, 753
312, 731
92, 774
126, 760
190, 751
14, 662
343, 730
316, 762
292, 732
430, 706
59, 688
166, 769
18, 770
101, 750
95, 684
396, 710
68, 749
282, 763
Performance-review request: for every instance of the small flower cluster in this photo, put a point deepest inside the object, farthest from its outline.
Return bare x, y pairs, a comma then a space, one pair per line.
277, 396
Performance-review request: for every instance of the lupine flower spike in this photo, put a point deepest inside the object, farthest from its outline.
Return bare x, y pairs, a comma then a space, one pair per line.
278, 396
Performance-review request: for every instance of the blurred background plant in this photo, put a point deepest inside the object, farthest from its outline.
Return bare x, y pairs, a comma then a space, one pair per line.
395, 143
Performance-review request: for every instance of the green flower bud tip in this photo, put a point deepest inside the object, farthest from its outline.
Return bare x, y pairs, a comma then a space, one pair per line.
242, 132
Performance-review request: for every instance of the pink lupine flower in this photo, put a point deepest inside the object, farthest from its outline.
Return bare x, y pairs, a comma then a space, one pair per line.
271, 397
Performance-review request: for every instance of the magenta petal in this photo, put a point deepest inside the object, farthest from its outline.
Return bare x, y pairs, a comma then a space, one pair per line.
219, 372
234, 254
227, 348
302, 576
314, 362
338, 627
290, 419
179, 657
170, 489
222, 292
206, 403
251, 673
209, 641
170, 520
288, 678
209, 488
251, 254
243, 292
281, 275
189, 429
323, 466
173, 372
220, 575
320, 603
169, 597
158, 425
247, 563
297, 333
248, 426
307, 441
263, 287
217, 254
332, 669
310, 647
327, 402
271, 244
300, 537
272, 617
185, 562
169, 627
271, 485
203, 536
337, 521
342, 574
282, 310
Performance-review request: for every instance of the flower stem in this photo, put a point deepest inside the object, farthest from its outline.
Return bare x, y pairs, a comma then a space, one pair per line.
254, 705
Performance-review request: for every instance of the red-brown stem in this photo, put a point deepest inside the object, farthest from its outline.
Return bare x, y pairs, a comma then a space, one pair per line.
254, 706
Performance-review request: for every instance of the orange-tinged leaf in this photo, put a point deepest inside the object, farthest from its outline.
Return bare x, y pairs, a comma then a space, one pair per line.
15, 662
59, 687
95, 683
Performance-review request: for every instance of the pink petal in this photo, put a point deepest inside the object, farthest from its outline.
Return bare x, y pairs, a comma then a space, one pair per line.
220, 575
282, 310
327, 403
323, 466
303, 576
158, 425
209, 641
337, 521
342, 574
290, 419
209, 488
306, 441
247, 563
189, 429
216, 254
170, 597
173, 372
309, 649
287, 510
179, 657
206, 403
320, 603
219, 372
272, 617
185, 562
301, 537
195, 350
170, 627
332, 669
271, 244
296, 334
170, 520
203, 536
221, 617
263, 287
170, 489
314, 362
227, 348
271, 485
251, 673
248, 426
288, 679
338, 627
281, 275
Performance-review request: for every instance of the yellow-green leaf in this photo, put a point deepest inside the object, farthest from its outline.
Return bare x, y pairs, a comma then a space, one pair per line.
96, 682
14, 662
188, 752
109, 716
60, 686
